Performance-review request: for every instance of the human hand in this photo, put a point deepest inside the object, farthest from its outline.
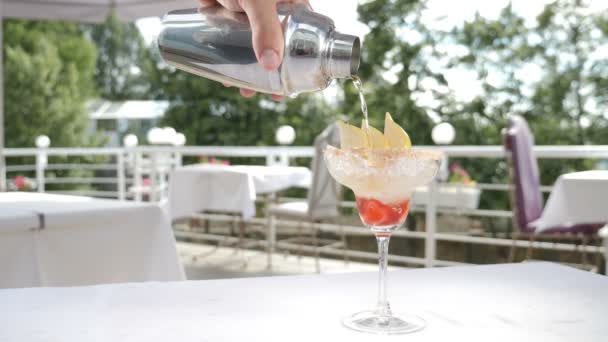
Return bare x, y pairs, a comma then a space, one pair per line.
267, 34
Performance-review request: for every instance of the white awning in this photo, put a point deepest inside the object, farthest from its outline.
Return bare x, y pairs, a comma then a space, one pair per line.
127, 110
90, 10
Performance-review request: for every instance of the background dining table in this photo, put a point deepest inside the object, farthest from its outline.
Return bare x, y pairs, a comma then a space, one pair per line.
229, 188
576, 198
61, 240
509, 302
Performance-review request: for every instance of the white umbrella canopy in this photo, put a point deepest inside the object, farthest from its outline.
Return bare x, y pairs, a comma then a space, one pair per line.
90, 11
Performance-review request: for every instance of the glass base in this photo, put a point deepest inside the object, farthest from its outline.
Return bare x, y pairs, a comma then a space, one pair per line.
371, 322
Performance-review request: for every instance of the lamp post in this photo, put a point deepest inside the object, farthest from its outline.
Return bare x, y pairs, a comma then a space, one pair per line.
42, 143
155, 136
285, 135
179, 140
130, 141
443, 134
160, 161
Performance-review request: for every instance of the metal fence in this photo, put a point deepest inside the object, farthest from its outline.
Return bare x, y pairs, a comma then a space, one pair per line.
142, 172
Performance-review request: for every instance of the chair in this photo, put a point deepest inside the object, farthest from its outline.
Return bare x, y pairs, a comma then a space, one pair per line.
322, 201
526, 196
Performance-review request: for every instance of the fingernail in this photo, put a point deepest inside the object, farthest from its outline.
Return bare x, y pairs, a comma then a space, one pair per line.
270, 59
247, 92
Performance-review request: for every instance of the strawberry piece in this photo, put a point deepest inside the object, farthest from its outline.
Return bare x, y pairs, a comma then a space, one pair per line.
376, 213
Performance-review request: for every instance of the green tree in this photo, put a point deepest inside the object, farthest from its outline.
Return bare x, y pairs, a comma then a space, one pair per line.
574, 87
49, 70
122, 52
548, 71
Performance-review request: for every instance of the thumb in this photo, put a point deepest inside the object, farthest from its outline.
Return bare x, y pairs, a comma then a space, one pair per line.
266, 30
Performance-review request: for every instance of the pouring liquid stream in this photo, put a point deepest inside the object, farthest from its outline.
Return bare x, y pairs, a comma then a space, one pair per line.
359, 85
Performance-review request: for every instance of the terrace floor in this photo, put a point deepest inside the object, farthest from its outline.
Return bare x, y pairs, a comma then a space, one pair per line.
213, 262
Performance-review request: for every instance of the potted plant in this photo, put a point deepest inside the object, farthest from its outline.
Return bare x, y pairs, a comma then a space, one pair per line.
21, 183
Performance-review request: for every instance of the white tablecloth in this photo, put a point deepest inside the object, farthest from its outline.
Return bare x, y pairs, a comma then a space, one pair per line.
13, 219
577, 198
56, 240
231, 189
517, 302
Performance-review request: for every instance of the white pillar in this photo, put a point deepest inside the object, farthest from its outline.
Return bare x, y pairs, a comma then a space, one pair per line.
153, 177
430, 246
137, 183
120, 173
177, 160
41, 161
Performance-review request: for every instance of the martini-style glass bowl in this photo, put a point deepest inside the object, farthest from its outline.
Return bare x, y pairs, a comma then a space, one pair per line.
382, 181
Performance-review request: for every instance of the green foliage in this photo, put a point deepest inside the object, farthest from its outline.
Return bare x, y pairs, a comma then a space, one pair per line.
550, 72
561, 47
122, 53
48, 72
48, 76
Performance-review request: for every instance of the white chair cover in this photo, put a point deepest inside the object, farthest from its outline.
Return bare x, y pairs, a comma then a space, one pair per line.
325, 193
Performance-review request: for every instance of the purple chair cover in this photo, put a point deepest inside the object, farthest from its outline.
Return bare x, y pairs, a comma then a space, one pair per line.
519, 144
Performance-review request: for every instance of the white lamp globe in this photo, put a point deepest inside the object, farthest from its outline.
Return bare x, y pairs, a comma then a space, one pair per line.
443, 134
155, 135
179, 139
130, 140
168, 135
285, 135
43, 141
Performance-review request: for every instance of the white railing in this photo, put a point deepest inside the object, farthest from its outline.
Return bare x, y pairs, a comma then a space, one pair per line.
130, 166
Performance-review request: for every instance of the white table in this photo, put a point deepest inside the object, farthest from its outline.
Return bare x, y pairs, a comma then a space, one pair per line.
517, 302
58, 240
576, 198
230, 189
13, 219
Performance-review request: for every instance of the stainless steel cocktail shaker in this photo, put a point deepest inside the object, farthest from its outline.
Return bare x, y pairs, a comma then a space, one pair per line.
216, 44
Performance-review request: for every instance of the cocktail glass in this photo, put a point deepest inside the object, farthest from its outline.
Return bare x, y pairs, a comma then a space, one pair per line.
382, 181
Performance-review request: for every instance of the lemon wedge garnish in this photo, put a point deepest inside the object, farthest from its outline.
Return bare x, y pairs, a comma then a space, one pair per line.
376, 138
394, 134
351, 136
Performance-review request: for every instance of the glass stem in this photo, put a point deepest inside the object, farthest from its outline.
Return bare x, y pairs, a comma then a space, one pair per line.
383, 308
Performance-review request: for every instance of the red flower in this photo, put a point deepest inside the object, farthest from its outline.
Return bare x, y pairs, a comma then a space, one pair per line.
20, 182
147, 182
